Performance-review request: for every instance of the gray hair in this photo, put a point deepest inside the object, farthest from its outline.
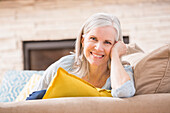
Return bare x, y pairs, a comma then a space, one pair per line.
81, 65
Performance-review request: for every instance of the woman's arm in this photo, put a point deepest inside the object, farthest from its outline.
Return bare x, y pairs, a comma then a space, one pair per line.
127, 89
119, 76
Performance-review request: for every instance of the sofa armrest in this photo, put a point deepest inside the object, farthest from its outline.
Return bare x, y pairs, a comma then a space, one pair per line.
150, 103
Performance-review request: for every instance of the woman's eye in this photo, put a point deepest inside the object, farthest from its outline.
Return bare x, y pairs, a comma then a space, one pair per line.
93, 38
108, 43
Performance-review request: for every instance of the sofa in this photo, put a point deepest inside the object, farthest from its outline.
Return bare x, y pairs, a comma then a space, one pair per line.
152, 83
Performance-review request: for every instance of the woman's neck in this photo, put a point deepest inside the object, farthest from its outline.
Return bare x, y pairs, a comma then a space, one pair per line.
97, 73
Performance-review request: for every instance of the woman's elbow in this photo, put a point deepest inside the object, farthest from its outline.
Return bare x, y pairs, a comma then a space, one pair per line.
128, 90
130, 93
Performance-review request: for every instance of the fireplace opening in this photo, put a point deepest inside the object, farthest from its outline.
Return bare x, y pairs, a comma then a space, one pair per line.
38, 55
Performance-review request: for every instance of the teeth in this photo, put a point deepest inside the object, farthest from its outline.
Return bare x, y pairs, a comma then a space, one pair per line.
98, 55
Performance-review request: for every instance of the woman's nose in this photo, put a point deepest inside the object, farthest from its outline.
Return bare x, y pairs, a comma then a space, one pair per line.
99, 47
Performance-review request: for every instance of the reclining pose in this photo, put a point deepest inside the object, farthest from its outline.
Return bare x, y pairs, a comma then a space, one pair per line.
97, 58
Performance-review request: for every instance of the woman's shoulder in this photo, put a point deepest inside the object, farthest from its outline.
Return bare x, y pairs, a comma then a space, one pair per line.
65, 59
65, 62
68, 56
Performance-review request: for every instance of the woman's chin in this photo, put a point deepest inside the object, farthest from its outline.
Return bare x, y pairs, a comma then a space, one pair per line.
96, 64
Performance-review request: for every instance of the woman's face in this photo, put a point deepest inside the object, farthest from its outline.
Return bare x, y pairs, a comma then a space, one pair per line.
97, 45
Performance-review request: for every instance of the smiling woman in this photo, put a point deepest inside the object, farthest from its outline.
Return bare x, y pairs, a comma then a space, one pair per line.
97, 45
96, 60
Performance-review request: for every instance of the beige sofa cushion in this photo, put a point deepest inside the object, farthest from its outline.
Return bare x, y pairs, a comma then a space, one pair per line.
133, 48
137, 104
152, 73
133, 56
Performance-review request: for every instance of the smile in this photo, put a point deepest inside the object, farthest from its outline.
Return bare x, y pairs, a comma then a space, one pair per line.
95, 55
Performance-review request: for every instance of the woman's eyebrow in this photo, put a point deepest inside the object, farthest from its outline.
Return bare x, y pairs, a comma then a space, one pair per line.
93, 36
110, 41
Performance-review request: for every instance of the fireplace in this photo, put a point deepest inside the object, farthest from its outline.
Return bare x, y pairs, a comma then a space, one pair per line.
38, 55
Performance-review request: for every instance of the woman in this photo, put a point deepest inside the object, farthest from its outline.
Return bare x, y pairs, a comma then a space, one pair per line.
98, 51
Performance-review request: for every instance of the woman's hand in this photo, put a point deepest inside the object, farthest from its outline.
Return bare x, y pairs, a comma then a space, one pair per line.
119, 48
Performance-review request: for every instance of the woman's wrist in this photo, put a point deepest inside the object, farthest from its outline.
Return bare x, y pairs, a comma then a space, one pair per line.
115, 54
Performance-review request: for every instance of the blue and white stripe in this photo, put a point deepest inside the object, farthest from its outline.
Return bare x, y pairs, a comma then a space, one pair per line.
13, 82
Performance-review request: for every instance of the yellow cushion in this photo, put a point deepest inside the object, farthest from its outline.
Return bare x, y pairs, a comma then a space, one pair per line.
68, 85
28, 87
